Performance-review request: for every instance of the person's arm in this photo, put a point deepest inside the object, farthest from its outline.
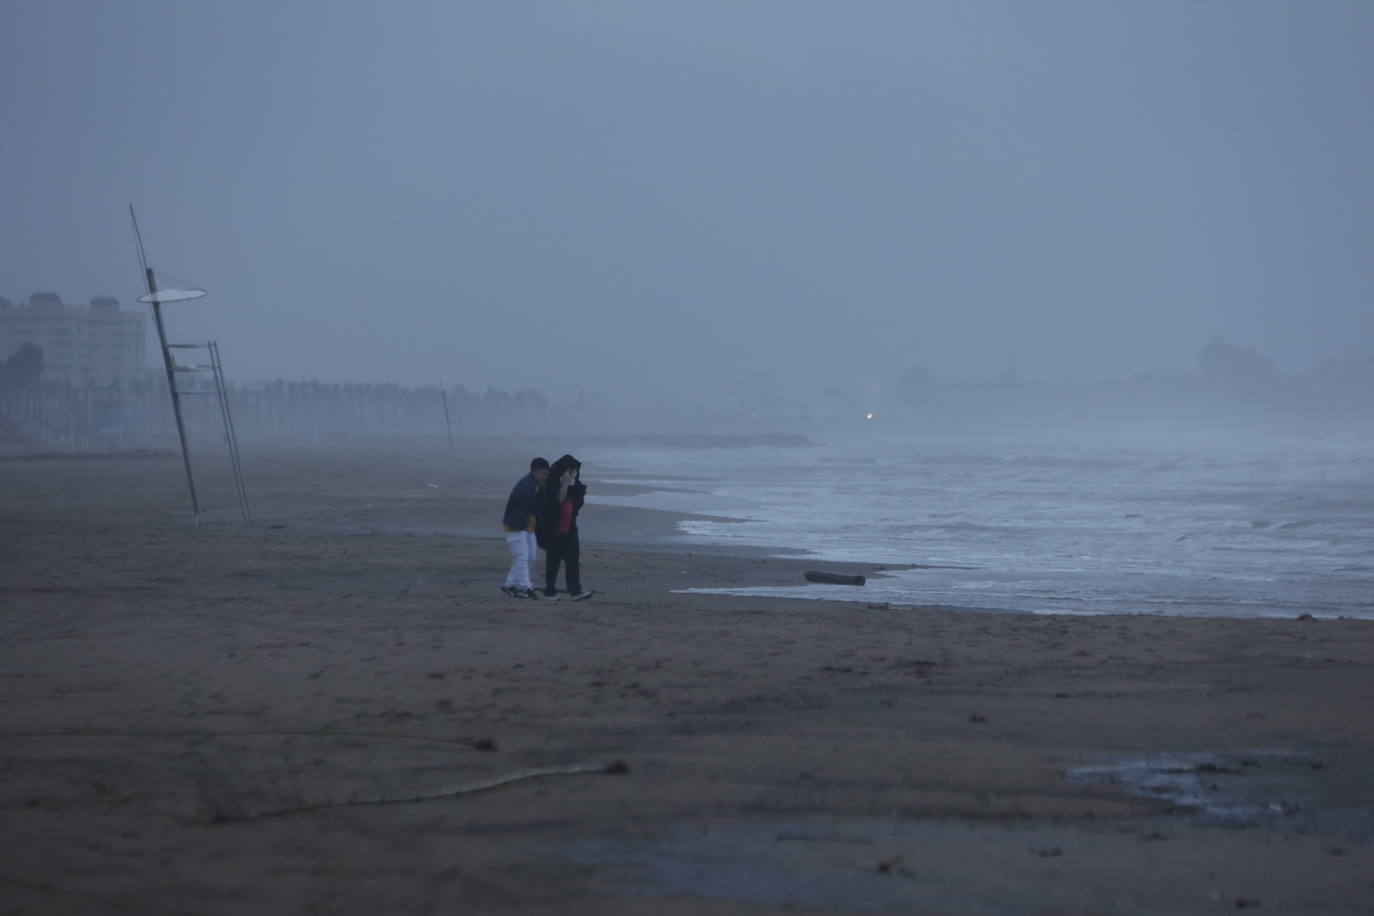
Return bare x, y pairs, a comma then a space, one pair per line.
531, 499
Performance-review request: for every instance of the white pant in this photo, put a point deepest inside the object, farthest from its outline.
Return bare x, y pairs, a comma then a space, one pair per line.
524, 550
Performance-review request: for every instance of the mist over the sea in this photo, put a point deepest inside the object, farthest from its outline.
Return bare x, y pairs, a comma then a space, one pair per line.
769, 209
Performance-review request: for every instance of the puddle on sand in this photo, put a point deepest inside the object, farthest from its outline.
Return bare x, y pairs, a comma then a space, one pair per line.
1269, 789
854, 864
867, 864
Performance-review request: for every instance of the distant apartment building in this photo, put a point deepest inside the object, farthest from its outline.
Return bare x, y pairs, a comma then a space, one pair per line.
101, 344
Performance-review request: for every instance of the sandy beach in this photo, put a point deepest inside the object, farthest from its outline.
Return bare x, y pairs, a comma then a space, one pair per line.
336, 711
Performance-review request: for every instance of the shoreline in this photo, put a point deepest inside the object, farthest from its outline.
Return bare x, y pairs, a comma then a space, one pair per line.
197, 717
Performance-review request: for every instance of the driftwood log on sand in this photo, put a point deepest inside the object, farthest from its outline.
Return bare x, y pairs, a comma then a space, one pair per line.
832, 578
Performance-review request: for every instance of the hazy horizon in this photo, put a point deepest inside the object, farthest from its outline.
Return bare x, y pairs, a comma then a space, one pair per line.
692, 201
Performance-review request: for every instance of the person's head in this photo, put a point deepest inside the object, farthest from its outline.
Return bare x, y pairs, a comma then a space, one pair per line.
565, 464
539, 470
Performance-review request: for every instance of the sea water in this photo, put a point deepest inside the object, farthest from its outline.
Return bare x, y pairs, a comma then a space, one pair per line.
1238, 529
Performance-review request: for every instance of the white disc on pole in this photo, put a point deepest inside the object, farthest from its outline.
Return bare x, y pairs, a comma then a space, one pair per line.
172, 295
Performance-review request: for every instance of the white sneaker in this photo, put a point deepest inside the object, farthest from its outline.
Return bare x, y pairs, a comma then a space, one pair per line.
551, 596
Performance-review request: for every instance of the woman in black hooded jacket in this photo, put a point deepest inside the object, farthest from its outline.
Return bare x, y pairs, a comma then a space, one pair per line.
563, 498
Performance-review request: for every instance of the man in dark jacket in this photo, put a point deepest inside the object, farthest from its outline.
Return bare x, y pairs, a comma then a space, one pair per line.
562, 500
520, 522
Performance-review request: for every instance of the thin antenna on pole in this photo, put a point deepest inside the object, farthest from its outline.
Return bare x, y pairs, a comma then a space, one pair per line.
138, 237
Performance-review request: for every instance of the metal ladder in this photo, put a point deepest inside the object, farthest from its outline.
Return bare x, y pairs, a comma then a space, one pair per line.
217, 375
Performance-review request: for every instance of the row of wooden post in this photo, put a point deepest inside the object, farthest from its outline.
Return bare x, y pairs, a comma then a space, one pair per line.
120, 415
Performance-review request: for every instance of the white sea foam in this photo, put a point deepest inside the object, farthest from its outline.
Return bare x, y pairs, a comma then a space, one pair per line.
1265, 530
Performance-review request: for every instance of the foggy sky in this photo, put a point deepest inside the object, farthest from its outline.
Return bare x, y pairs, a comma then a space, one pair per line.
681, 199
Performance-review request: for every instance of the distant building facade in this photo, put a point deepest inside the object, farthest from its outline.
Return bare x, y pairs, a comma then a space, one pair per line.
101, 344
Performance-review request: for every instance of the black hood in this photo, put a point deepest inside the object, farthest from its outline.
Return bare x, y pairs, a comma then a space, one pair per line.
563, 464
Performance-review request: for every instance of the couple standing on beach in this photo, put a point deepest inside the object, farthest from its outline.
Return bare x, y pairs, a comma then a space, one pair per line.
541, 512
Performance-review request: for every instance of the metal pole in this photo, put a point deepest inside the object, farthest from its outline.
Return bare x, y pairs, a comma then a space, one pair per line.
447, 422
229, 433
172, 389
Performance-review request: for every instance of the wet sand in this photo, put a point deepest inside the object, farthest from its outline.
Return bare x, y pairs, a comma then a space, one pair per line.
225, 720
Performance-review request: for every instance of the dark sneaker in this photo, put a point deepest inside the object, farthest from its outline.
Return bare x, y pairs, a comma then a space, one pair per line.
508, 590
527, 593
581, 596
549, 596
